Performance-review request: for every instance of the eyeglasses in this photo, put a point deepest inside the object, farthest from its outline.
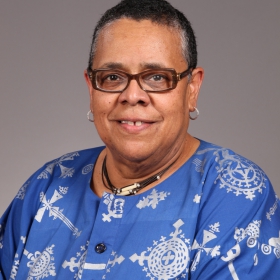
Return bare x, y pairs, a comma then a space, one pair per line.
154, 80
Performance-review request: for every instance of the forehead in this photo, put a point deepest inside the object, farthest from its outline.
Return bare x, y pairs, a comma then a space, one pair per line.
134, 43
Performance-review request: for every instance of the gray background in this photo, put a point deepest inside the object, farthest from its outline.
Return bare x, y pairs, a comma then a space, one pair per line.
44, 49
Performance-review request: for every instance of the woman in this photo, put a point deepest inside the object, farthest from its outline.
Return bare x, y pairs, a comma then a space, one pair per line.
155, 202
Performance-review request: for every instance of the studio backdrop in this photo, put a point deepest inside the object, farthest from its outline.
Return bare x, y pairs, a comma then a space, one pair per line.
44, 100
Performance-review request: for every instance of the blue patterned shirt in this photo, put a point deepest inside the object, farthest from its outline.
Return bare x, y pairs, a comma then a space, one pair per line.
216, 217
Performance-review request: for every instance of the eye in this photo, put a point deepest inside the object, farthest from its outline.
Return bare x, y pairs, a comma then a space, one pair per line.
158, 77
111, 77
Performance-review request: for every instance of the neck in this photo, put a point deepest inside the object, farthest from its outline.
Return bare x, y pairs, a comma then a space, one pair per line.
133, 188
123, 172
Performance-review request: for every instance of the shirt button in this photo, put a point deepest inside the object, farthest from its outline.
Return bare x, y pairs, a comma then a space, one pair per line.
100, 248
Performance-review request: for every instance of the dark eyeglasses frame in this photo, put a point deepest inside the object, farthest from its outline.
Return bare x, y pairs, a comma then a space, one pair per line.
175, 76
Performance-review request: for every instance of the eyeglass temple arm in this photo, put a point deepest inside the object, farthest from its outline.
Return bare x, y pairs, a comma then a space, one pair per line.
89, 72
184, 74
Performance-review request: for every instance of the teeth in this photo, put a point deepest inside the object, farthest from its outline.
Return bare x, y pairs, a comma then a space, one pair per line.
138, 123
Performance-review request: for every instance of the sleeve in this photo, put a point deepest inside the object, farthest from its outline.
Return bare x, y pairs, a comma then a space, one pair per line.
238, 230
16, 223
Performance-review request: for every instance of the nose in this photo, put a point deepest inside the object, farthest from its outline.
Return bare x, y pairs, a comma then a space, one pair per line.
134, 95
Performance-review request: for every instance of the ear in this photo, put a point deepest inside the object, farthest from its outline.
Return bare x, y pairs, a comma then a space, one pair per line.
194, 87
89, 85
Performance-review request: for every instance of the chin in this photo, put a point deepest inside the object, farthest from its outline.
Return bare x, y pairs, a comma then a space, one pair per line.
134, 152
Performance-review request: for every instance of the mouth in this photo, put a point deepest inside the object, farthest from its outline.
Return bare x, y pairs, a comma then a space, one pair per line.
137, 123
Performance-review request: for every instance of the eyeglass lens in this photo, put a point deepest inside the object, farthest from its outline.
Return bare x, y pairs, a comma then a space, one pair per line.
151, 80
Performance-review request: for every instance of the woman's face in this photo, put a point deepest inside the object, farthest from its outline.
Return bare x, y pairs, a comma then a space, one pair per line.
136, 125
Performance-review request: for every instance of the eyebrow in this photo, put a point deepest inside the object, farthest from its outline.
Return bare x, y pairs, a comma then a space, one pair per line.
153, 65
118, 65
112, 65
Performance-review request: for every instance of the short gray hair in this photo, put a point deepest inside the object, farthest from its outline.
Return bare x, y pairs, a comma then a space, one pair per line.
158, 11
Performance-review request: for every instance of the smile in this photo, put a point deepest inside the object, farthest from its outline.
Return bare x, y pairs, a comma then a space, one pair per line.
137, 123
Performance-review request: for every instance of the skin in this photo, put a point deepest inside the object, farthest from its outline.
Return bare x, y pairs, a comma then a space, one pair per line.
136, 152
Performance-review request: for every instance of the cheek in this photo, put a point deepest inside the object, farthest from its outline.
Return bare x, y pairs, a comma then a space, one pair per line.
176, 109
101, 103
179, 115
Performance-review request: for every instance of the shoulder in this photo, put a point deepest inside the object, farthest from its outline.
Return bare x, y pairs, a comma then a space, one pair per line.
239, 211
63, 171
237, 192
68, 174
237, 175
61, 174
68, 164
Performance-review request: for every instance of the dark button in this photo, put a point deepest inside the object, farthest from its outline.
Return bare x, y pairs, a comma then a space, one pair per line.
100, 248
